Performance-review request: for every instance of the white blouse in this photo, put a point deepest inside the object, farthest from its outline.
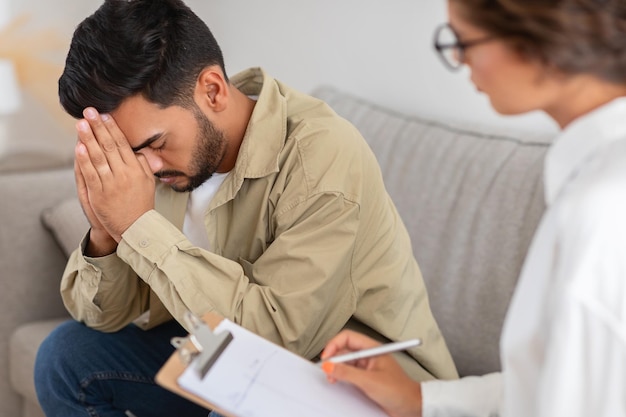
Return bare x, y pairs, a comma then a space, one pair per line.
563, 346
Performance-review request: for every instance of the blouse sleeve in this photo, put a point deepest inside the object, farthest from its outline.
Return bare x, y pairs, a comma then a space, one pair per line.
466, 397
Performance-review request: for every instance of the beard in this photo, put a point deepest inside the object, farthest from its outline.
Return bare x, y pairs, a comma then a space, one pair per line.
207, 157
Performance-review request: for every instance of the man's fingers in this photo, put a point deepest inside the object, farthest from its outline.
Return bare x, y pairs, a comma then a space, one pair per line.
81, 187
144, 164
78, 175
123, 148
113, 143
92, 149
102, 144
82, 190
89, 176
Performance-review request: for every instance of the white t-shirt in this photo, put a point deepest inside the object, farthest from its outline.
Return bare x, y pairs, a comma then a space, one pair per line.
198, 202
563, 346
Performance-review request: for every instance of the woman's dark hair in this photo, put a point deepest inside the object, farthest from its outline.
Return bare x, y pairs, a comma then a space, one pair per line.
573, 36
156, 48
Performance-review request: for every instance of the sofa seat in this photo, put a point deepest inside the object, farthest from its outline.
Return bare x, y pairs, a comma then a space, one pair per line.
22, 352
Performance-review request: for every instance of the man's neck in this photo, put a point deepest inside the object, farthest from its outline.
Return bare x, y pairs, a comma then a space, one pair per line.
237, 120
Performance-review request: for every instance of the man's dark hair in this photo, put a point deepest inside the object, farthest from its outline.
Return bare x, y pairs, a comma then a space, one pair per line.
156, 48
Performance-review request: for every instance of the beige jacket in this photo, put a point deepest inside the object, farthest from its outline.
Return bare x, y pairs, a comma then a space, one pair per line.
305, 238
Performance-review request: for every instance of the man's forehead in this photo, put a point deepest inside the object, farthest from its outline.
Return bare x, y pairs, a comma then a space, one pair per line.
144, 122
138, 119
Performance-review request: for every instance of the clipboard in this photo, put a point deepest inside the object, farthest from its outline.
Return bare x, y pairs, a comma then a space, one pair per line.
172, 370
250, 376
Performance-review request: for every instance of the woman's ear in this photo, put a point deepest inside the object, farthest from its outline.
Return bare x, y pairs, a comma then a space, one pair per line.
212, 89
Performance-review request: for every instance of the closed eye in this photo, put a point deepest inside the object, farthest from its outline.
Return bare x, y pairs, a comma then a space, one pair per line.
160, 147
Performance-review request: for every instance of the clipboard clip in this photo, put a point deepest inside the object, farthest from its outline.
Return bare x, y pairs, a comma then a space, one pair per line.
202, 344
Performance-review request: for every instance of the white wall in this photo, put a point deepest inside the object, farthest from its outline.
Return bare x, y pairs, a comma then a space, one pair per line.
377, 49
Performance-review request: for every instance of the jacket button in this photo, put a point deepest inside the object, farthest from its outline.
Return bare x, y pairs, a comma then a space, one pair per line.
144, 243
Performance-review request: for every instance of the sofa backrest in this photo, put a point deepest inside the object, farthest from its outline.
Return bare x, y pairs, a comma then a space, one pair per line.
471, 202
31, 263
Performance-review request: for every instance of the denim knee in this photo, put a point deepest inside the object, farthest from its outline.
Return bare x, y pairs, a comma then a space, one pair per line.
80, 371
57, 359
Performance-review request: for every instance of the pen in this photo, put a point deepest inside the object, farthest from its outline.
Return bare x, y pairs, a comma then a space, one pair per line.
375, 351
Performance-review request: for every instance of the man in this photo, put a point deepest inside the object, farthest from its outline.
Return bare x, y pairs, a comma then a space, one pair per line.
270, 211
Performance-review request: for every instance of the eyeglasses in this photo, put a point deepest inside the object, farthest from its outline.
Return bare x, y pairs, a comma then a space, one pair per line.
450, 49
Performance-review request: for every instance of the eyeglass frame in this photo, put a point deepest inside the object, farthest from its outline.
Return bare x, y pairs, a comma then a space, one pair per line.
458, 45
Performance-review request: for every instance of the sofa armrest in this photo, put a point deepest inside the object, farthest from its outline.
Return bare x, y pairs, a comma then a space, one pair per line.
31, 262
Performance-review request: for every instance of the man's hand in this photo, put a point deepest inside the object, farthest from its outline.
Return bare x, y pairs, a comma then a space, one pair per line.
115, 185
100, 241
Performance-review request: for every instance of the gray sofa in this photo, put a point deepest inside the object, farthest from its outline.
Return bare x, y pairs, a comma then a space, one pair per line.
471, 201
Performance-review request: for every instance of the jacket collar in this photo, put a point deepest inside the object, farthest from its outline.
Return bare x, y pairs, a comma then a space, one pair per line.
267, 129
260, 148
265, 135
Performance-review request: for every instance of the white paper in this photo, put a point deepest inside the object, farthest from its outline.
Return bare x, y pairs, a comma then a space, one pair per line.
256, 378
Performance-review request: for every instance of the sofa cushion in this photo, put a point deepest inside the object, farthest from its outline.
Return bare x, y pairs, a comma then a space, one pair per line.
471, 201
67, 223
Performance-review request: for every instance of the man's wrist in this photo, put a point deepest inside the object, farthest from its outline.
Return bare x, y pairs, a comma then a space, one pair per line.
100, 244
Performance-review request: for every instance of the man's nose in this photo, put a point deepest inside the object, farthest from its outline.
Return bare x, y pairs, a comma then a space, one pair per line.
154, 161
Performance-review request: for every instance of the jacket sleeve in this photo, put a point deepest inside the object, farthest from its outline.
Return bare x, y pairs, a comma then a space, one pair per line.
104, 293
298, 293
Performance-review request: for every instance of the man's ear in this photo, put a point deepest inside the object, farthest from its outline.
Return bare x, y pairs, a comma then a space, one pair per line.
212, 90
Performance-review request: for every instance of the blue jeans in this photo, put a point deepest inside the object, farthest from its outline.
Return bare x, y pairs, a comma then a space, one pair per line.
84, 372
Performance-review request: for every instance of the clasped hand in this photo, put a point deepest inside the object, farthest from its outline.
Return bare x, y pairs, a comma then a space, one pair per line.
115, 185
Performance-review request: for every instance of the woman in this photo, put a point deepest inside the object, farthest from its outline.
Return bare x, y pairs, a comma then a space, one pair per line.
563, 347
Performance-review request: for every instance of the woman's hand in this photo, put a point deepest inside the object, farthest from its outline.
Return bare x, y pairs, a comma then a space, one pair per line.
381, 378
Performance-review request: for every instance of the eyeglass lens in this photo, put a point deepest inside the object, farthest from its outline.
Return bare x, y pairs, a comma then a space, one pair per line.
448, 47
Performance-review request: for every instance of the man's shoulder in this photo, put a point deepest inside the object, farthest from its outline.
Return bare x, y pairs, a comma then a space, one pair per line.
310, 119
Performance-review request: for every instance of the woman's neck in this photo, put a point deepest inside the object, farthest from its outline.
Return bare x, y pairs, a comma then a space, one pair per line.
581, 95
